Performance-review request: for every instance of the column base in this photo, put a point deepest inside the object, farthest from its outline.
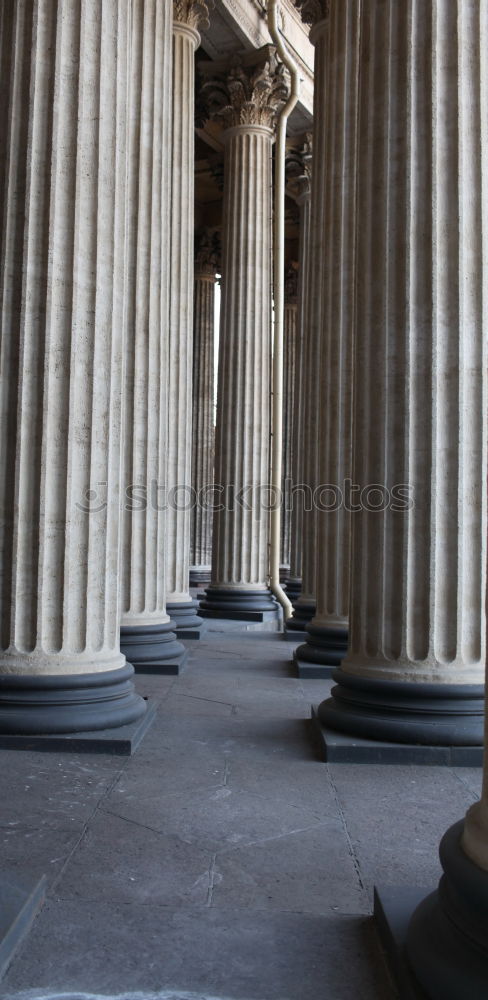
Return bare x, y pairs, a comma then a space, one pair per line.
200, 574
73, 703
343, 748
447, 937
153, 649
323, 651
293, 588
121, 741
241, 605
20, 899
393, 907
293, 635
404, 711
303, 612
185, 619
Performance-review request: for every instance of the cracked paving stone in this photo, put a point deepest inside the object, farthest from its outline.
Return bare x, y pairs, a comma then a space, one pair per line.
217, 817
127, 862
397, 817
307, 872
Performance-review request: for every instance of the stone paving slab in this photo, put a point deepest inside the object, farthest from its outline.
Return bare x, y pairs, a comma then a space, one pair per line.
222, 859
397, 816
20, 899
227, 953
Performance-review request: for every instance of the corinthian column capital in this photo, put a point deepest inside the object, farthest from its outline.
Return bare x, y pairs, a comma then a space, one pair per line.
248, 90
207, 253
194, 13
298, 167
312, 11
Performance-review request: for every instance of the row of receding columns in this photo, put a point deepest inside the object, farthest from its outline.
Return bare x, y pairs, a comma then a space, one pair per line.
245, 98
126, 501
207, 265
205, 491
396, 215
398, 298
299, 177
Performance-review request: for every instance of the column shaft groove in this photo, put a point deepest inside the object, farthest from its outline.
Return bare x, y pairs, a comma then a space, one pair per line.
63, 76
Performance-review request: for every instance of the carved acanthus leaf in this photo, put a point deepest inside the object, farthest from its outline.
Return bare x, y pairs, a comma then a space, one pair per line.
246, 92
194, 13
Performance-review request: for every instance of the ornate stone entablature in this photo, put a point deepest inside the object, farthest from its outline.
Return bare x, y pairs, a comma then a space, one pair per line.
312, 11
194, 13
207, 252
248, 89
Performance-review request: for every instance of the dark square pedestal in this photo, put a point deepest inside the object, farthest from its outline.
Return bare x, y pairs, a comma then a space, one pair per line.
393, 907
240, 616
123, 741
295, 635
313, 671
171, 668
192, 633
340, 748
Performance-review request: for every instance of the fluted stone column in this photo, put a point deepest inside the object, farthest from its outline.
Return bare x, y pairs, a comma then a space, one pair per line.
299, 177
415, 666
188, 14
289, 402
63, 125
447, 940
336, 89
307, 448
246, 97
146, 636
206, 266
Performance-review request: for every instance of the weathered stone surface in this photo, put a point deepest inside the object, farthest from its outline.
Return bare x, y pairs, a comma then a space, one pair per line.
64, 129
418, 574
143, 567
332, 313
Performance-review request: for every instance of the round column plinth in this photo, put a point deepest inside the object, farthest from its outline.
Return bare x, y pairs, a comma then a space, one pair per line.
293, 587
243, 601
200, 574
68, 703
150, 645
447, 939
405, 711
303, 612
325, 645
184, 614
